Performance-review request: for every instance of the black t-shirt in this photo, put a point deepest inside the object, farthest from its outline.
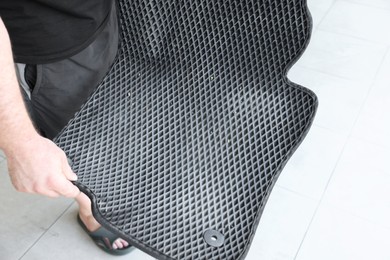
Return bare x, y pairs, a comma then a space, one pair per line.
43, 31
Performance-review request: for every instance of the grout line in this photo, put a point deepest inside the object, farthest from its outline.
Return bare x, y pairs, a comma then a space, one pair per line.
354, 37
366, 5
342, 135
325, 14
369, 91
296, 193
44, 233
344, 211
368, 81
321, 199
302, 66
319, 28
372, 142
349, 137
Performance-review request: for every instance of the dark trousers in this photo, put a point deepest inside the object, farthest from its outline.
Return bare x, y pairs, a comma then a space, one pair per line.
58, 90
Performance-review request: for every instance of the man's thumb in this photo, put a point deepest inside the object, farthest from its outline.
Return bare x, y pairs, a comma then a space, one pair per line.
68, 172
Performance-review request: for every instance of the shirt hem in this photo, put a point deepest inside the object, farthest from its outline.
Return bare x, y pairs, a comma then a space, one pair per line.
50, 58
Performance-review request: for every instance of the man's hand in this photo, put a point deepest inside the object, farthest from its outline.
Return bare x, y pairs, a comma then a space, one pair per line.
39, 166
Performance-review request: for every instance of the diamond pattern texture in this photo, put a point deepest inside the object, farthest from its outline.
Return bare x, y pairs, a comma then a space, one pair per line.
194, 122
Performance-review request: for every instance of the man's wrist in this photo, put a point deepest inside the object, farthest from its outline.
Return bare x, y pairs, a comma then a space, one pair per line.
18, 140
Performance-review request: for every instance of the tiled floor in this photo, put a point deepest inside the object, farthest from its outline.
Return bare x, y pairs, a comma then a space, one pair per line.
332, 200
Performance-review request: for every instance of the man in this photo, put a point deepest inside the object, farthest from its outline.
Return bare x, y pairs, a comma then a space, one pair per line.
61, 50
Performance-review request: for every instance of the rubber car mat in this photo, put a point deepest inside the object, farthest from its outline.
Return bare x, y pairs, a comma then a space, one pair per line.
181, 144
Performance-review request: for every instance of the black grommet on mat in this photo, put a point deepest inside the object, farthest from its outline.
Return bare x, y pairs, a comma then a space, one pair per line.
214, 238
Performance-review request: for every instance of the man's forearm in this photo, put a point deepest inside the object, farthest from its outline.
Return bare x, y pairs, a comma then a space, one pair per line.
35, 164
15, 124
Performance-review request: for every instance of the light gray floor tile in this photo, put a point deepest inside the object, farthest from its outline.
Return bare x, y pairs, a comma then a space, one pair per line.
341, 236
67, 240
343, 56
361, 182
24, 218
383, 4
318, 9
282, 227
357, 20
340, 100
310, 168
373, 123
